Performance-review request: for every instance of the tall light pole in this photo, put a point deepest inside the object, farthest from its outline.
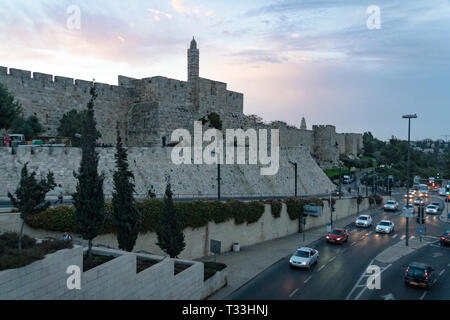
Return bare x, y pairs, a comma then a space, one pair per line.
409, 117
295, 179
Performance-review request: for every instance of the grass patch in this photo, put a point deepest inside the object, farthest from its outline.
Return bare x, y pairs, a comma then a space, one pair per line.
211, 268
334, 173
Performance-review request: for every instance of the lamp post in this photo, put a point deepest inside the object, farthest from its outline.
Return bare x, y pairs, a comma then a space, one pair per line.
295, 178
340, 182
213, 153
409, 117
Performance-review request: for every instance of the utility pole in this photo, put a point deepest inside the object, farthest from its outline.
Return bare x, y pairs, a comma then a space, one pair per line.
409, 117
340, 182
295, 177
218, 181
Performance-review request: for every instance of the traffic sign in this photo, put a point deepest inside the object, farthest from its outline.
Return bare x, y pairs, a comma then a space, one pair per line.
420, 230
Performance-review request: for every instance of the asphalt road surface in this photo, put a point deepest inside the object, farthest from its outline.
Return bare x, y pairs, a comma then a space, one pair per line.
339, 266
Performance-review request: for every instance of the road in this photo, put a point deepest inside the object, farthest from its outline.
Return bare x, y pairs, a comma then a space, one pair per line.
339, 266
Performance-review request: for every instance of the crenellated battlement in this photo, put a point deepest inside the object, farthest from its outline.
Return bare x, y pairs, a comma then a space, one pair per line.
33, 79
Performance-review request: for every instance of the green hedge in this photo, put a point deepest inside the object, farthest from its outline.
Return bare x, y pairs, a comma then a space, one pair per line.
295, 206
194, 214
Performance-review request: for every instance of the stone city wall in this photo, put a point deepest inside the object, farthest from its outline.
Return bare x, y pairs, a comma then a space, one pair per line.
151, 166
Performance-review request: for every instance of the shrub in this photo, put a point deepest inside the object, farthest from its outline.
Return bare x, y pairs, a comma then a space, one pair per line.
237, 211
10, 257
371, 199
294, 207
253, 211
275, 207
11, 240
151, 211
378, 199
61, 218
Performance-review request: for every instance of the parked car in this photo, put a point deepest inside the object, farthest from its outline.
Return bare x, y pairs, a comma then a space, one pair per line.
431, 209
364, 220
445, 238
385, 226
304, 258
419, 274
391, 205
337, 236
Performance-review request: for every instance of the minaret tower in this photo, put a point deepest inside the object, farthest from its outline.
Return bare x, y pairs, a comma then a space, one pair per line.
193, 72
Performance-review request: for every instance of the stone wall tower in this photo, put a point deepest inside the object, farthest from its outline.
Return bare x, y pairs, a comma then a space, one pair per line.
193, 72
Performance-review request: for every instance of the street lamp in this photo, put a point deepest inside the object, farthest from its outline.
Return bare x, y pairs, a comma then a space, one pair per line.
213, 153
409, 117
295, 179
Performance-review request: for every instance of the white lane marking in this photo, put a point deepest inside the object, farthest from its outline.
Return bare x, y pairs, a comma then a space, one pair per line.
293, 292
321, 268
309, 278
357, 283
394, 236
423, 295
412, 237
370, 233
442, 272
332, 259
343, 251
403, 237
353, 244
365, 287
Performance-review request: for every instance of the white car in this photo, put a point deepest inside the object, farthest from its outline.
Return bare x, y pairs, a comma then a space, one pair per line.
304, 258
391, 205
364, 220
418, 201
385, 226
437, 205
431, 209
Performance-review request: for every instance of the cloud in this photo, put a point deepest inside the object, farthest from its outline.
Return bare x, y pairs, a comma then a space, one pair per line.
160, 13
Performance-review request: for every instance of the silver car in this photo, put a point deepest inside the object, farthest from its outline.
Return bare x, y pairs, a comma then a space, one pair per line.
391, 205
431, 209
304, 258
385, 226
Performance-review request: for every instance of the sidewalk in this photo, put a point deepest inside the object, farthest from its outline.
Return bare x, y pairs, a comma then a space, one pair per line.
243, 266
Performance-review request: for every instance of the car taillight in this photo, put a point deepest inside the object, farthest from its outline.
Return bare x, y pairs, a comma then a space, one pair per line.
426, 274
406, 272
442, 238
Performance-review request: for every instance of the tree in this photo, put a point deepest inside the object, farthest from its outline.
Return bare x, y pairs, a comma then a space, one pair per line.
126, 215
89, 200
9, 109
29, 127
71, 124
170, 233
31, 196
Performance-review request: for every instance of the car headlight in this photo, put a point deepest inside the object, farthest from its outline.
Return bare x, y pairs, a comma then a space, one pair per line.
290, 261
338, 239
304, 263
328, 237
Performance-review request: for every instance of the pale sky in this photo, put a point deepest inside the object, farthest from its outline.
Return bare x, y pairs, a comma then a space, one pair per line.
290, 59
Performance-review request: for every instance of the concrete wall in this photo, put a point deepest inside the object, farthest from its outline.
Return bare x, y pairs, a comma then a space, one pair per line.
198, 240
114, 280
151, 166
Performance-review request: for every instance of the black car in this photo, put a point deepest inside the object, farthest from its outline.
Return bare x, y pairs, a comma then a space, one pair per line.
445, 238
419, 274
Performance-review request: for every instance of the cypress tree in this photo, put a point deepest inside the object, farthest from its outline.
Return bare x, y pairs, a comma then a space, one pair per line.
31, 196
89, 200
170, 232
126, 216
